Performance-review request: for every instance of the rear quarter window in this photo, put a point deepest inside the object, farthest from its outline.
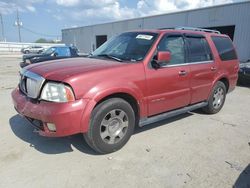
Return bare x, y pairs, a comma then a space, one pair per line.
225, 48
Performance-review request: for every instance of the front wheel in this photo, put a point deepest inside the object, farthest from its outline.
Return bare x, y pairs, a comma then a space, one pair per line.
216, 99
112, 124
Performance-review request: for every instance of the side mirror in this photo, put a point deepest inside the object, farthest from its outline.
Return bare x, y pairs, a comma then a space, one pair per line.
54, 54
161, 59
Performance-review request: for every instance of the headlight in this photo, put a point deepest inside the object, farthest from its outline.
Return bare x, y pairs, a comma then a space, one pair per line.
57, 92
28, 61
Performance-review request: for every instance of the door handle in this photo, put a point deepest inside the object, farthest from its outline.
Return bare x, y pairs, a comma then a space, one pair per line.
182, 73
213, 68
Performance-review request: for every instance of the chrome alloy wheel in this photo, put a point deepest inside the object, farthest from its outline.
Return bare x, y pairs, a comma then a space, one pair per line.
218, 97
114, 126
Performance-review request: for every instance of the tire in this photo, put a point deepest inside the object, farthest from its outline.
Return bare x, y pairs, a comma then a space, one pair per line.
111, 126
216, 99
26, 51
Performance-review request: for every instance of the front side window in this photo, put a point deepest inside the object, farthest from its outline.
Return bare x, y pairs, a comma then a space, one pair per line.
49, 50
225, 48
175, 45
131, 46
198, 50
62, 51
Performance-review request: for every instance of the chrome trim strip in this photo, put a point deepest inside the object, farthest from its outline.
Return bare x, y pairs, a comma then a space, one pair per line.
169, 114
191, 63
34, 77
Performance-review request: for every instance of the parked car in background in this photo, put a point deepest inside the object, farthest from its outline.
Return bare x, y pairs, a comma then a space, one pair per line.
53, 53
244, 73
32, 49
134, 79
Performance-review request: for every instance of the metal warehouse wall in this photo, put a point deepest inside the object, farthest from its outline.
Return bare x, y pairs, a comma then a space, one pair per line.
237, 14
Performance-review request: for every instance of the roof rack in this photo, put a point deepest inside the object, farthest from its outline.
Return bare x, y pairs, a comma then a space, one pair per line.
197, 29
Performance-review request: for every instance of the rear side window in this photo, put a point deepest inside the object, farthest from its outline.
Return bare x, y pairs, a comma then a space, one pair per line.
225, 48
198, 50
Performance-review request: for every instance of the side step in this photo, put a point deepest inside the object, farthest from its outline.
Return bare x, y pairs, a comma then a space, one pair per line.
169, 114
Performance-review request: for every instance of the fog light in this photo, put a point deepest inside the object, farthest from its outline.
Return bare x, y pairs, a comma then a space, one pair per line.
51, 127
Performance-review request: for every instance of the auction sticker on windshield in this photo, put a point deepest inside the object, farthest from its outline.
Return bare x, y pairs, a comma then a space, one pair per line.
146, 37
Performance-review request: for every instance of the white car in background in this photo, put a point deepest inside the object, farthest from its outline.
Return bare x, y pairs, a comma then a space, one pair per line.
32, 49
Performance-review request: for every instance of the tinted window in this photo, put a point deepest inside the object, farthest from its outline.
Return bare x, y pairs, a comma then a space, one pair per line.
198, 49
225, 48
62, 51
174, 44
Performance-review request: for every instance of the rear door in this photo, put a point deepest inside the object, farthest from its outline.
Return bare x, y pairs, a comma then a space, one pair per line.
168, 87
203, 68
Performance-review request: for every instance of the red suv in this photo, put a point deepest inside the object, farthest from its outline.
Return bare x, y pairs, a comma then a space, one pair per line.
135, 78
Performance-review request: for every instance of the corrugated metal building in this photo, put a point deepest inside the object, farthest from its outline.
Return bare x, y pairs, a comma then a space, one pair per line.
231, 19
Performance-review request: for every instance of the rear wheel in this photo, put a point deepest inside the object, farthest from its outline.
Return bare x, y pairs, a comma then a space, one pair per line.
112, 124
216, 99
26, 51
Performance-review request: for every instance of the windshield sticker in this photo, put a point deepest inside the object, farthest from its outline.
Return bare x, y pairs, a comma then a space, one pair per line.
145, 37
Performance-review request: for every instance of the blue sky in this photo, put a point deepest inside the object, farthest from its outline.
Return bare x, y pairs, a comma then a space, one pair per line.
46, 18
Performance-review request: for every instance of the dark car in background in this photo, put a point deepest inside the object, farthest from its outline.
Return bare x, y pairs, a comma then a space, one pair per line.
244, 73
53, 53
32, 49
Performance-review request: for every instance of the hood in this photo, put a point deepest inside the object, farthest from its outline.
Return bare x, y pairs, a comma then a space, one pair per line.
65, 68
30, 56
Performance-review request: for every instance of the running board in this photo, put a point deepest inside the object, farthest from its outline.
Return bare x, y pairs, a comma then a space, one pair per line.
173, 113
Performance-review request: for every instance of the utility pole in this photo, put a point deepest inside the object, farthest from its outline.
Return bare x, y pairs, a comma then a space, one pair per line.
2, 27
18, 24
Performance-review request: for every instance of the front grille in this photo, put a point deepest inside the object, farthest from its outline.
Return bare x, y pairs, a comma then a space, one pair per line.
31, 83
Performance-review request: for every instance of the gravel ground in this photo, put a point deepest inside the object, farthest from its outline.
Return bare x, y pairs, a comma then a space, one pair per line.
191, 150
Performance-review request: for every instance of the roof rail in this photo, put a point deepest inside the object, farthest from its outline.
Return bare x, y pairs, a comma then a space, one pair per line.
197, 29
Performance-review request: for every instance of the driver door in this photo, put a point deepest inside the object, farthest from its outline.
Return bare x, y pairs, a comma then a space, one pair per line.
168, 87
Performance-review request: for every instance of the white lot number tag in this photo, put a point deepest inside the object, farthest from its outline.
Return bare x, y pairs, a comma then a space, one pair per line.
145, 37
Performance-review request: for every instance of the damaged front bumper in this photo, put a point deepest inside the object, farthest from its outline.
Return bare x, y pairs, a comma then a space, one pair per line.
49, 118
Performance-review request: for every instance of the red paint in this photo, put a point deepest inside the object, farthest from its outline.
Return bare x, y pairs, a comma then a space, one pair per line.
155, 90
164, 56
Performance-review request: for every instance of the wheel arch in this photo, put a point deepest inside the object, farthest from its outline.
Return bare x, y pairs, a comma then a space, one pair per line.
125, 96
225, 81
222, 78
131, 99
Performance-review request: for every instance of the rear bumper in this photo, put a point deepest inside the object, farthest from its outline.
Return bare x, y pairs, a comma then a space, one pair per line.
66, 116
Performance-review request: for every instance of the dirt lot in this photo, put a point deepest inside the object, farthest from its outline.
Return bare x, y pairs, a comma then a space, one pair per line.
191, 150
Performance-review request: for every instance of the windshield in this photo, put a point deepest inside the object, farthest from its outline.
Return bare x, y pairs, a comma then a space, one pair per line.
49, 51
132, 46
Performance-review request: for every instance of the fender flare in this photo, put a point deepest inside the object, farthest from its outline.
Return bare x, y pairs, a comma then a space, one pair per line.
219, 77
86, 116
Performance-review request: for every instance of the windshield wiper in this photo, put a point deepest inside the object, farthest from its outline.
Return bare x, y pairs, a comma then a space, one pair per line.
110, 57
